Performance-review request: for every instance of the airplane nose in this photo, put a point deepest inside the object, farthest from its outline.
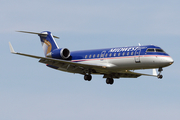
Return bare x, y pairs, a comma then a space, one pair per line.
169, 60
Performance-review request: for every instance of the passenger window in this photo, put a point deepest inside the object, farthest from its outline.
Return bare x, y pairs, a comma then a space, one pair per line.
98, 55
106, 54
86, 56
128, 53
123, 53
102, 55
114, 54
89, 56
119, 54
110, 54
131, 53
94, 56
150, 50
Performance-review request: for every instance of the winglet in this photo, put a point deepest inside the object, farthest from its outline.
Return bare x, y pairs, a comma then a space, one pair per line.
11, 48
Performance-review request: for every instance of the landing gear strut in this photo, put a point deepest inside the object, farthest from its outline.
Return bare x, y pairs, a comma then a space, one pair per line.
110, 81
159, 75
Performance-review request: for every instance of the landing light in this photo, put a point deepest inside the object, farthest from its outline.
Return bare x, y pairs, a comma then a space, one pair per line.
103, 66
171, 63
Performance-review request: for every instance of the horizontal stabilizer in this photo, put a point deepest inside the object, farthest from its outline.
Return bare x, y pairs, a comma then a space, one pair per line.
36, 33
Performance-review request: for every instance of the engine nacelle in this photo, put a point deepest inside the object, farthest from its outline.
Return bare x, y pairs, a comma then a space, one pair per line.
62, 53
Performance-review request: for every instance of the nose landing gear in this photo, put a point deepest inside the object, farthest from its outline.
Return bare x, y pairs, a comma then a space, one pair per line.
159, 76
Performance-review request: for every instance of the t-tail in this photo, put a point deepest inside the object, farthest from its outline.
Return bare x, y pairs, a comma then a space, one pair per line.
50, 46
48, 42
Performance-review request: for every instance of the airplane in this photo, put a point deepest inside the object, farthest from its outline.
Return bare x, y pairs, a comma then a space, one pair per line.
112, 63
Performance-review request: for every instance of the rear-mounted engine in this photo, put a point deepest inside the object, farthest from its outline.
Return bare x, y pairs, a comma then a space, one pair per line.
62, 53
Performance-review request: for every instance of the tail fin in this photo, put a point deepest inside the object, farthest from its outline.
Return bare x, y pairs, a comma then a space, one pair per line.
47, 40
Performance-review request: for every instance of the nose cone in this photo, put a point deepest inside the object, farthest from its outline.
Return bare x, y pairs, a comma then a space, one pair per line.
171, 61
168, 60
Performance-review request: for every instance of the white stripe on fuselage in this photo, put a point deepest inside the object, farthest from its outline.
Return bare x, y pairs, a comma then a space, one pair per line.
128, 62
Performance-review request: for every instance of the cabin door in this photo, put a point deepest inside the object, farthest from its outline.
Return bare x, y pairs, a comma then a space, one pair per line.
137, 55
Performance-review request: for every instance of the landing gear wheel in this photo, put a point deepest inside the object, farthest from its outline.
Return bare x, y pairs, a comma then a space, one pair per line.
160, 76
109, 81
87, 77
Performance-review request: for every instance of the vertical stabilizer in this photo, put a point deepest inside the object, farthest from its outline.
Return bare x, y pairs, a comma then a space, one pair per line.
48, 42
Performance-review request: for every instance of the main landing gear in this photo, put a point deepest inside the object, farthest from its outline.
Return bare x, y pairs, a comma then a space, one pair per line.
110, 81
159, 75
87, 77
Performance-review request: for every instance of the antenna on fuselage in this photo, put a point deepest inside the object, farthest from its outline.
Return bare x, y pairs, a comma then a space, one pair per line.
139, 44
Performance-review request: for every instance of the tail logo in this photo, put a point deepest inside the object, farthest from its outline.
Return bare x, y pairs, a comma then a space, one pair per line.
47, 47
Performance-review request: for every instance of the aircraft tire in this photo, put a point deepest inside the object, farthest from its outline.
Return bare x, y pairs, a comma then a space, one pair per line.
107, 80
87, 77
110, 81
160, 76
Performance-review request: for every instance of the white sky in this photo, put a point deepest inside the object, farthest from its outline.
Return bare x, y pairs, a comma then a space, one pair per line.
31, 91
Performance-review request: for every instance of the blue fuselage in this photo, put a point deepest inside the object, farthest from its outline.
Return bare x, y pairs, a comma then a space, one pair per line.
148, 56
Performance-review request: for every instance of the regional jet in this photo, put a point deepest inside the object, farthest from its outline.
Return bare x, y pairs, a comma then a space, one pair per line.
112, 63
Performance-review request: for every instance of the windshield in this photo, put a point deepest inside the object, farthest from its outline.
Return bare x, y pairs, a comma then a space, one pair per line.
150, 50
159, 50
155, 50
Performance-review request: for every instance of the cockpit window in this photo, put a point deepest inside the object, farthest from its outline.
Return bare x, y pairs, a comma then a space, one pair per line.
150, 50
155, 50
159, 50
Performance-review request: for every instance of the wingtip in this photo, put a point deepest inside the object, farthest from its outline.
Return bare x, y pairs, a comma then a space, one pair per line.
11, 48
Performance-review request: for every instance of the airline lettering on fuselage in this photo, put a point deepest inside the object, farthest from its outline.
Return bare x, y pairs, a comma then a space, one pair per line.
123, 49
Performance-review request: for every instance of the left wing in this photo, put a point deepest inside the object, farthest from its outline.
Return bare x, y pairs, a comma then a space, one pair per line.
66, 65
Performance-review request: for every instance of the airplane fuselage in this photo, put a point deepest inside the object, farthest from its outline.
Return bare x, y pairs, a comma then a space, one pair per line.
125, 58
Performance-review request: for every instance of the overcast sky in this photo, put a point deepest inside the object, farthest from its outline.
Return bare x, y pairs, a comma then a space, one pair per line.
31, 91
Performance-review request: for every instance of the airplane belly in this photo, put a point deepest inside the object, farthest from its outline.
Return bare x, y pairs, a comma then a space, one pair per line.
155, 61
119, 64
124, 63
129, 63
